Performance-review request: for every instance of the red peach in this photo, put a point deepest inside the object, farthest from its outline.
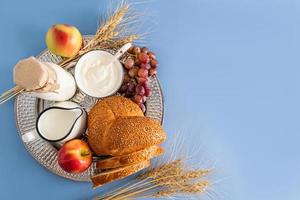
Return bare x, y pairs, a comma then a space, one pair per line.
64, 40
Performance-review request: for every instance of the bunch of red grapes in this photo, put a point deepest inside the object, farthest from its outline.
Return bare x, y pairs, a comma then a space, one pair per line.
140, 65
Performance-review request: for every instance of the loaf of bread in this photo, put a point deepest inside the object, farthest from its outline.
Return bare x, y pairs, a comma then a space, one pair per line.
129, 159
118, 173
111, 108
117, 126
130, 134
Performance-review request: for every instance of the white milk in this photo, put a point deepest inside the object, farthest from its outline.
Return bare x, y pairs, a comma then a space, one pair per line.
64, 121
56, 123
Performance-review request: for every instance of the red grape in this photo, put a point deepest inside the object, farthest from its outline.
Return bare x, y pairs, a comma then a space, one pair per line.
144, 98
130, 50
143, 107
123, 88
144, 50
154, 63
133, 72
152, 71
151, 55
146, 66
137, 62
142, 80
137, 99
143, 72
140, 90
126, 78
136, 50
148, 92
129, 63
146, 84
130, 89
144, 58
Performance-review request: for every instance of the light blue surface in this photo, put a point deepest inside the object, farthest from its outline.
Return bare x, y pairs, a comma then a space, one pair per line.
230, 75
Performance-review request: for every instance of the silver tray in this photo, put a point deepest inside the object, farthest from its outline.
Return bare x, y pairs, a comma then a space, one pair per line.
28, 107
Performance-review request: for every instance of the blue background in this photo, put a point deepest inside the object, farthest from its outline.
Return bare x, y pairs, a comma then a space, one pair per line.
230, 75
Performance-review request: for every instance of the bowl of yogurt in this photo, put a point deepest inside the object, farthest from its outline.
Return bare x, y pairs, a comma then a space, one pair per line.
97, 76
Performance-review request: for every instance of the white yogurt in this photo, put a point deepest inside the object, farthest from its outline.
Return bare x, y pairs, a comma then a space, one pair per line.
95, 78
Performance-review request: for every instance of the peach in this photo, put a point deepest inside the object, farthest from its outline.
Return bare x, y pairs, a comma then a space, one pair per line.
64, 40
75, 156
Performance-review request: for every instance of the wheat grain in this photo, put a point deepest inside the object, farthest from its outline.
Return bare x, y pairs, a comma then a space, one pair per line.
164, 180
112, 34
165, 193
107, 31
160, 171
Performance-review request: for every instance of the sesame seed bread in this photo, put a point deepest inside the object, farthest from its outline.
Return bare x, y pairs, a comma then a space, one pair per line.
118, 173
102, 115
112, 107
130, 134
129, 159
117, 126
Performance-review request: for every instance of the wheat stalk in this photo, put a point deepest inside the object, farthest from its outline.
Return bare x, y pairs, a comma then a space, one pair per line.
161, 170
117, 43
112, 34
107, 31
185, 189
168, 179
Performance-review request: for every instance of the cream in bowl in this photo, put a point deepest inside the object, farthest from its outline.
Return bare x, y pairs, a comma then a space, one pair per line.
97, 76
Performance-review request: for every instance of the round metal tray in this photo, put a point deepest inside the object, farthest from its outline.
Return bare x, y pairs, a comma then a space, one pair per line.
28, 107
